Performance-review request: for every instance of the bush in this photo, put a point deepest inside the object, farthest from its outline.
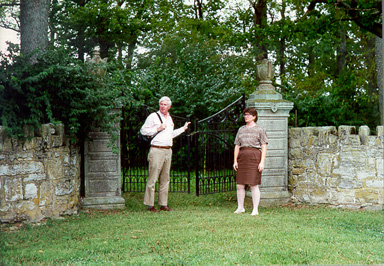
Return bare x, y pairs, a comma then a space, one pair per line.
56, 89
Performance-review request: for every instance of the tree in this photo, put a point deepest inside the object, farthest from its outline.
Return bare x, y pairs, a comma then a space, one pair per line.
368, 16
34, 25
9, 14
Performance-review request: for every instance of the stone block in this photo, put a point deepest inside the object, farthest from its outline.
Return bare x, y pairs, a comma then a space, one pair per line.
365, 174
374, 183
28, 167
297, 171
295, 154
350, 183
367, 196
273, 124
46, 195
380, 131
326, 137
97, 187
29, 211
294, 133
380, 167
364, 133
5, 170
345, 131
30, 191
102, 145
34, 177
103, 203
66, 158
277, 144
102, 166
57, 141
13, 189
324, 164
54, 168
272, 181
7, 145
63, 187
28, 144
353, 159
353, 141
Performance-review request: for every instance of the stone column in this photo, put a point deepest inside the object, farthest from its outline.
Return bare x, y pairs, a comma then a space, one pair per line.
273, 114
102, 167
102, 171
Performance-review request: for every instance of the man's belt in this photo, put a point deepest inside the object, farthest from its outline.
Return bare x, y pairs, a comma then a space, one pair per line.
161, 147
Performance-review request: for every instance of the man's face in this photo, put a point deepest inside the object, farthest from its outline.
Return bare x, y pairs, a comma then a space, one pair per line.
164, 107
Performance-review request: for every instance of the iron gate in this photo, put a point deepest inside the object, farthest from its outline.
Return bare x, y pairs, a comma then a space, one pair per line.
134, 157
214, 148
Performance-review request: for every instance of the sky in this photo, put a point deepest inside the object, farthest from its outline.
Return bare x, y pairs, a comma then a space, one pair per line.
7, 35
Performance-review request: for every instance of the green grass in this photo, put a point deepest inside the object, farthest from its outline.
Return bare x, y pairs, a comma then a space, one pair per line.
202, 231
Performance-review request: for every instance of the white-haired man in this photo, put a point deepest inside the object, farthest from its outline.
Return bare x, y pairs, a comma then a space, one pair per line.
160, 153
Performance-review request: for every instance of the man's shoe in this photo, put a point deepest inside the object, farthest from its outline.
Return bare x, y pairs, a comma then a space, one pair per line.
166, 208
152, 209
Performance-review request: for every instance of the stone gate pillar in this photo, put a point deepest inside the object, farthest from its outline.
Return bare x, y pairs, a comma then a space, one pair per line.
102, 167
273, 114
102, 172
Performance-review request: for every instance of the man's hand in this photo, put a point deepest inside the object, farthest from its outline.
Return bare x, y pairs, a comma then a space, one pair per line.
186, 125
162, 127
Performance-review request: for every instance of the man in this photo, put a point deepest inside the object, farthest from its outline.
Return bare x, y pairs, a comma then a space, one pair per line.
160, 153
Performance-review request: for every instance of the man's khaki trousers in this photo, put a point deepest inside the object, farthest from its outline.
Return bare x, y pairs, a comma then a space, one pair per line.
159, 168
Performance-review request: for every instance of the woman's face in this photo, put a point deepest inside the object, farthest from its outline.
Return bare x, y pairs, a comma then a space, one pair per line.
249, 118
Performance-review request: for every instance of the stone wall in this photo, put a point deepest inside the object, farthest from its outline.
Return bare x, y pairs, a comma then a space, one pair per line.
39, 177
337, 166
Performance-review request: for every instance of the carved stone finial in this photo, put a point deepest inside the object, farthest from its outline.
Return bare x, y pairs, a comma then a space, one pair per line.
265, 73
96, 59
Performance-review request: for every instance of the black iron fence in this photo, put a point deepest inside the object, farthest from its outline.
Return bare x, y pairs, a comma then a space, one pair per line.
214, 148
134, 156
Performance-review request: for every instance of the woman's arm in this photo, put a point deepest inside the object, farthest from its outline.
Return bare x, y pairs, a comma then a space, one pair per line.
236, 153
263, 155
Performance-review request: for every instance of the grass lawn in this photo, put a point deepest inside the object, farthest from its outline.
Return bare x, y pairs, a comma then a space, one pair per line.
202, 231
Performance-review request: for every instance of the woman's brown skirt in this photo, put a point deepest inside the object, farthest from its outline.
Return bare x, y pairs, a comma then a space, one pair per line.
248, 161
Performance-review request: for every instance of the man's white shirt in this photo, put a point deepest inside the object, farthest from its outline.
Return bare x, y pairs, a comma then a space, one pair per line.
164, 137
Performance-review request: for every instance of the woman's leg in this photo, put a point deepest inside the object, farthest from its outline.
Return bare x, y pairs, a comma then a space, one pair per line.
240, 198
255, 199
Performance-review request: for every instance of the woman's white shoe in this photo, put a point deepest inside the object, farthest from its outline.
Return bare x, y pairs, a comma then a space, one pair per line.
239, 211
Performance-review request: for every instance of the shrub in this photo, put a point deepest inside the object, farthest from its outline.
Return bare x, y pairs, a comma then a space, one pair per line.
56, 89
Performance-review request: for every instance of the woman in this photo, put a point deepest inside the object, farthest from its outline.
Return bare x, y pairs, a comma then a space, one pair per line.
250, 151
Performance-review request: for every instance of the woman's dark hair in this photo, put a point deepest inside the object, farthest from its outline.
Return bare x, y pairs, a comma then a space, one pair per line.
251, 111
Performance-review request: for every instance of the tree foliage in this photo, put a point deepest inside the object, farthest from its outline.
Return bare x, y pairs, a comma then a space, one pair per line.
56, 89
203, 54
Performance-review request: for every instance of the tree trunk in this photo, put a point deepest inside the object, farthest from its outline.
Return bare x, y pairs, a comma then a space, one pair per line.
282, 49
259, 21
370, 57
311, 61
380, 69
131, 50
199, 9
341, 53
33, 26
